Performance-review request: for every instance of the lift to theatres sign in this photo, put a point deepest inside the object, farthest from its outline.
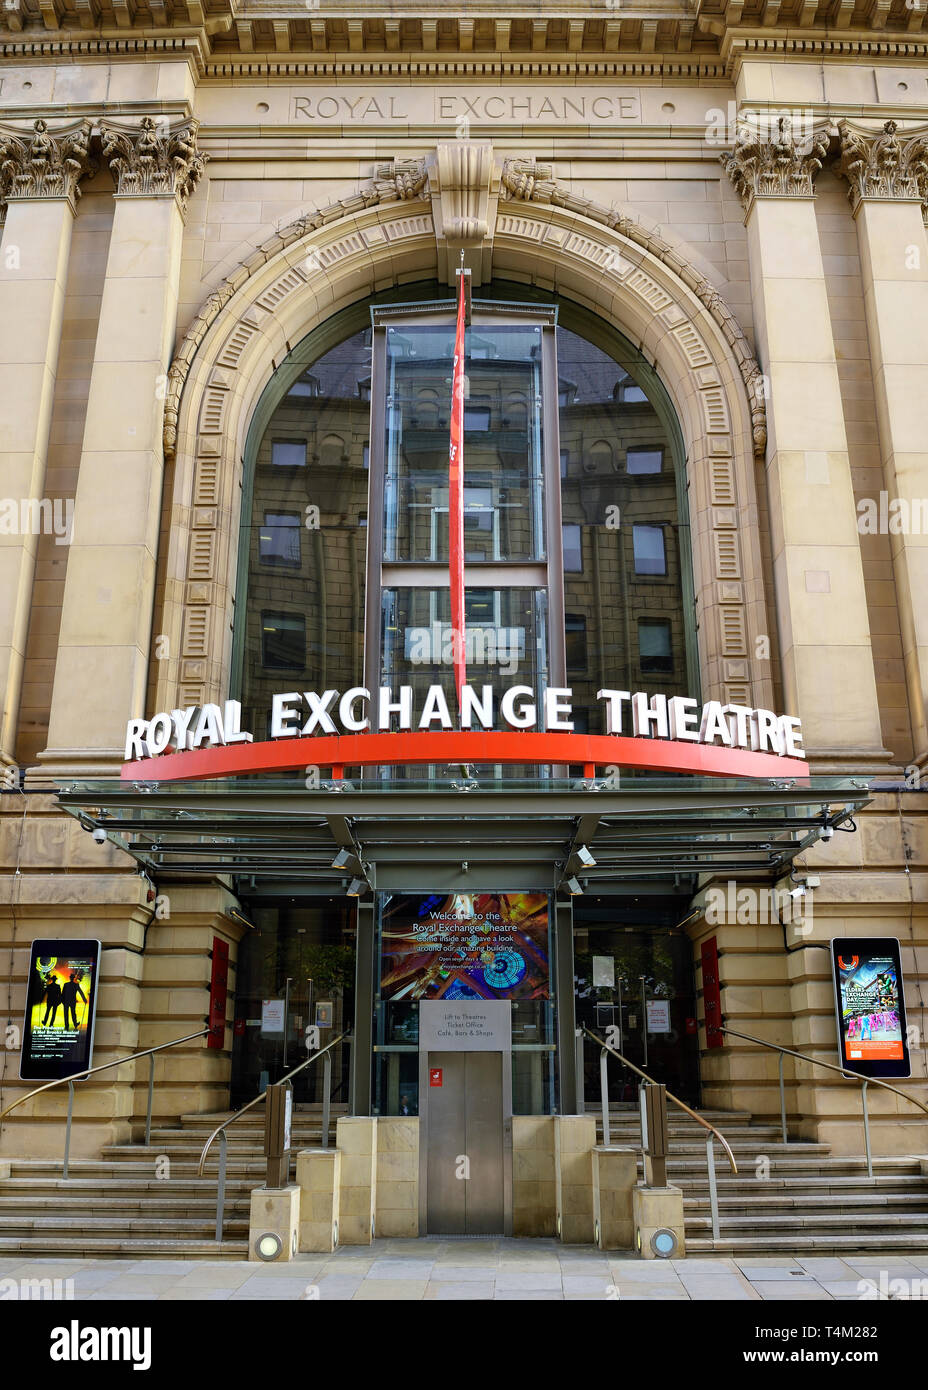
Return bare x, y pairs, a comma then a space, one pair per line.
357, 728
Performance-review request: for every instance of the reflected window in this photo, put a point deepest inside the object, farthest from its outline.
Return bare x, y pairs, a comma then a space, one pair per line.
650, 557
288, 453
283, 645
655, 650
644, 461
476, 417
575, 645
629, 392
573, 548
279, 541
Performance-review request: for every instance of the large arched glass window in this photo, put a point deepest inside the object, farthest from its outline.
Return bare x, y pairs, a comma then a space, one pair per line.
576, 537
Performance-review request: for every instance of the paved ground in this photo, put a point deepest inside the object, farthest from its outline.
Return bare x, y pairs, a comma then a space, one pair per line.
498, 1269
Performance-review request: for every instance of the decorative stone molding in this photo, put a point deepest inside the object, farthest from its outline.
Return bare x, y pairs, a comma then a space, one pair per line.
525, 181
402, 179
465, 185
393, 184
882, 165
45, 164
153, 159
781, 167
528, 181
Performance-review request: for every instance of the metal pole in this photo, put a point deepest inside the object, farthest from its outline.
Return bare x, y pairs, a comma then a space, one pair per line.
151, 1092
644, 1021
221, 1187
604, 1088
621, 1025
326, 1097
67, 1129
863, 1096
578, 1062
782, 1099
713, 1192
286, 1015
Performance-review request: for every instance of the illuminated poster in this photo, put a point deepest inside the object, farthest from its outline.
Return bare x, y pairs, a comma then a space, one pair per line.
61, 1003
465, 946
871, 1011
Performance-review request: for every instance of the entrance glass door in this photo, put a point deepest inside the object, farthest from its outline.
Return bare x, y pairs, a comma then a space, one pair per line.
638, 980
295, 970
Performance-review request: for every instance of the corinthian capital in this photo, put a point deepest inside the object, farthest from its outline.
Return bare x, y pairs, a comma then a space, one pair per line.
153, 159
881, 164
774, 164
40, 164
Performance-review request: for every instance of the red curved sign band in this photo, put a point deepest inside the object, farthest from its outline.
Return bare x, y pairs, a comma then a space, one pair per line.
481, 746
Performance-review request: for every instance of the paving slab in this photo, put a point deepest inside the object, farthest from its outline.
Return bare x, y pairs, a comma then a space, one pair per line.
399, 1289
526, 1280
808, 1292
473, 1289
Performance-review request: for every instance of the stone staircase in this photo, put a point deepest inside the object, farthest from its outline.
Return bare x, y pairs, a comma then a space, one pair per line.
812, 1202
795, 1198
130, 1202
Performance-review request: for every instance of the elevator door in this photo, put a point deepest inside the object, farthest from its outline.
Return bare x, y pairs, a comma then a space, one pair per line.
464, 1183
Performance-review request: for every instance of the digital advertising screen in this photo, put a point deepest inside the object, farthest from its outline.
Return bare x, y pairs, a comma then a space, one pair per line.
464, 946
870, 1006
61, 1002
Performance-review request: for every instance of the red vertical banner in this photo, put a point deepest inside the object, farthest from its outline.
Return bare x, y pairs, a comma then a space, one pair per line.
711, 993
218, 991
456, 496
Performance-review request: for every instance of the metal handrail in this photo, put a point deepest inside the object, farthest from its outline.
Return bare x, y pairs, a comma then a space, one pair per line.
681, 1104
220, 1130
148, 1052
865, 1081
711, 1136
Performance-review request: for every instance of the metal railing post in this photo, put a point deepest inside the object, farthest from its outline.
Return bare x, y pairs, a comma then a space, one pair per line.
326, 1097
604, 1088
580, 1080
221, 1189
67, 1130
713, 1191
863, 1097
151, 1092
782, 1101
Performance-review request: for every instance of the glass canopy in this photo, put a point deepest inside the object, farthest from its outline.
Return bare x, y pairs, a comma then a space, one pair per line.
323, 837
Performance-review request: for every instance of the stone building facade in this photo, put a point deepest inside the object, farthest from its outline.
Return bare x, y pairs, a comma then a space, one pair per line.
188, 191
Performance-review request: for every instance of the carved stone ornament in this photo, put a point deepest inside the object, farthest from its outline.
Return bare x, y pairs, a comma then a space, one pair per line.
44, 164
883, 165
402, 180
152, 159
779, 167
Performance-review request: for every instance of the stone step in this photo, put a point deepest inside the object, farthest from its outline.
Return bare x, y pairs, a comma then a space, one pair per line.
858, 1201
798, 1243
147, 1203
140, 1248
147, 1227
805, 1221
188, 1190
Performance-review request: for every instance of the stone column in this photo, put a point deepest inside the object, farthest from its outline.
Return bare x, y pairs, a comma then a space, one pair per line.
102, 667
888, 177
40, 174
825, 647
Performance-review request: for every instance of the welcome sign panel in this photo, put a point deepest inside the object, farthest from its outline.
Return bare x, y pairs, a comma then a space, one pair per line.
465, 946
